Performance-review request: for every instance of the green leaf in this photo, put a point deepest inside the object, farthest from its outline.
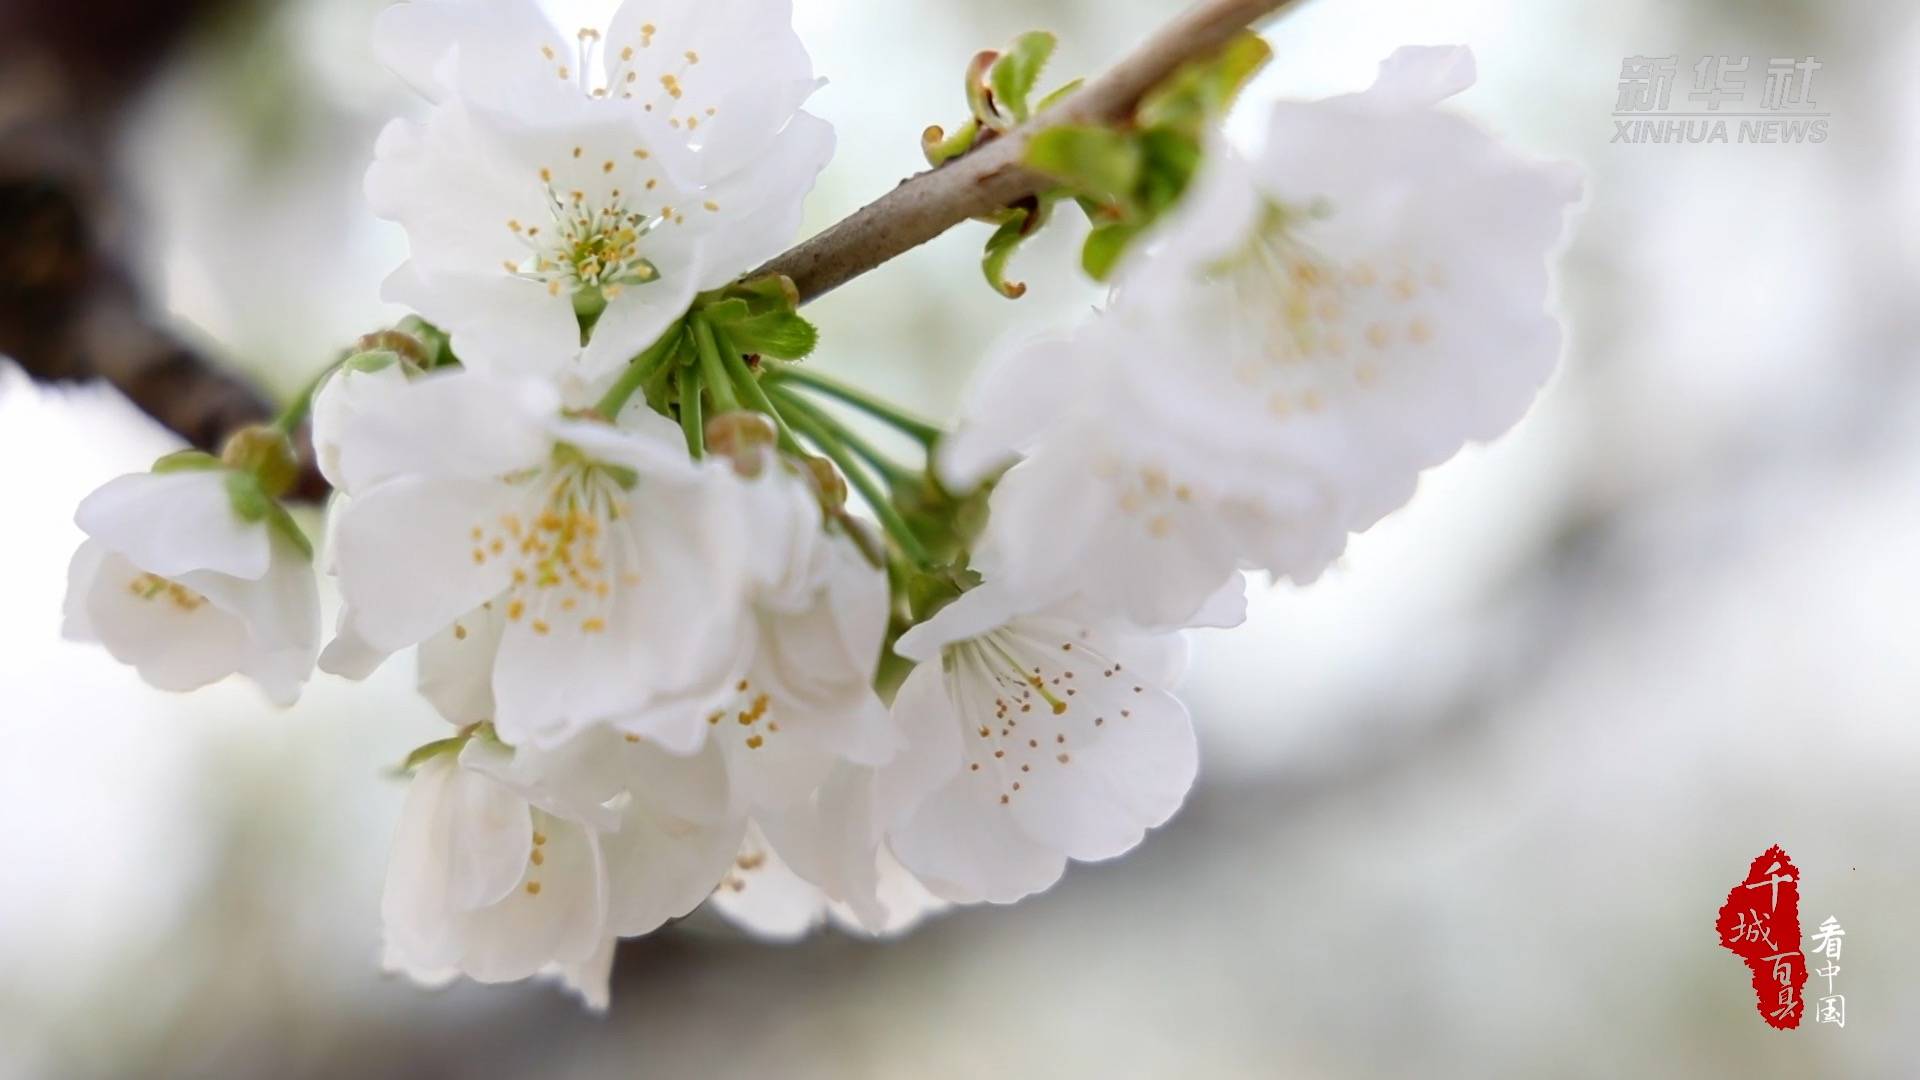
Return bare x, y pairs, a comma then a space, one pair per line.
783, 335
1000, 248
1013, 75
186, 461
1094, 161
940, 147
765, 293
1058, 94
1170, 159
979, 94
1104, 246
1014, 229
731, 310
1201, 90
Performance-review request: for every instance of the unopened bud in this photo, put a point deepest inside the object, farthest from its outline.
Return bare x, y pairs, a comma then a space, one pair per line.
826, 480
267, 455
397, 342
743, 437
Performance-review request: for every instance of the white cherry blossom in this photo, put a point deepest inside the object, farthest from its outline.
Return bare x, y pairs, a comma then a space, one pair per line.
173, 581
1034, 738
510, 864
1304, 335
797, 696
486, 884
1379, 269
559, 173
613, 563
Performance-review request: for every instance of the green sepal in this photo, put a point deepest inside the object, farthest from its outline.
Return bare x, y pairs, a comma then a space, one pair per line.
426, 752
185, 461
248, 499
1013, 75
1095, 161
1202, 90
1104, 246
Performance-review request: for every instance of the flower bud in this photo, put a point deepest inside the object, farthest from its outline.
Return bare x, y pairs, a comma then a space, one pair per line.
743, 437
401, 344
267, 455
826, 480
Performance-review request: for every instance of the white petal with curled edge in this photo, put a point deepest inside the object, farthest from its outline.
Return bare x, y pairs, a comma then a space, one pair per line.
1419, 76
1015, 399
281, 612
488, 833
555, 914
172, 523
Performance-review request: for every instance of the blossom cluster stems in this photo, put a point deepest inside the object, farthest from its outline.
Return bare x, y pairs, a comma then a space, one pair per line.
713, 370
637, 373
831, 440
295, 412
756, 395
921, 431
892, 471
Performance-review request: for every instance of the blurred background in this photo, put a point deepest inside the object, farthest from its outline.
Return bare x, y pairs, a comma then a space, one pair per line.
1467, 807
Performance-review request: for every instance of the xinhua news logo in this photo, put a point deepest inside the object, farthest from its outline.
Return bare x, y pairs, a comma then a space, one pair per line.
1731, 99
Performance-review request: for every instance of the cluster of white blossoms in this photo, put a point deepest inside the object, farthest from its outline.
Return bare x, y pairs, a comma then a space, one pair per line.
663, 646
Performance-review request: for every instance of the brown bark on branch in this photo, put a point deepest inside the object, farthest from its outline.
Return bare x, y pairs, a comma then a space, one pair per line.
991, 176
70, 310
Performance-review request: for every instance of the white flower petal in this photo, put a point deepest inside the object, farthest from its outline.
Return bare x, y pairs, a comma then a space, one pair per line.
966, 851
457, 423
456, 666
173, 637
171, 523
406, 559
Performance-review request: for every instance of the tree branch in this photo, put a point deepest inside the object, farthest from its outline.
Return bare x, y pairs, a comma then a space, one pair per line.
991, 176
69, 310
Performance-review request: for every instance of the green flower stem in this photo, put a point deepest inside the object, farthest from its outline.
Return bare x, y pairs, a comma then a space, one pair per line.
302, 403
756, 395
688, 386
891, 470
637, 373
882, 507
893, 415
712, 372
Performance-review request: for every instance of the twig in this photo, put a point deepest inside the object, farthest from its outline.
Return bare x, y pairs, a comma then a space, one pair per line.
991, 176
